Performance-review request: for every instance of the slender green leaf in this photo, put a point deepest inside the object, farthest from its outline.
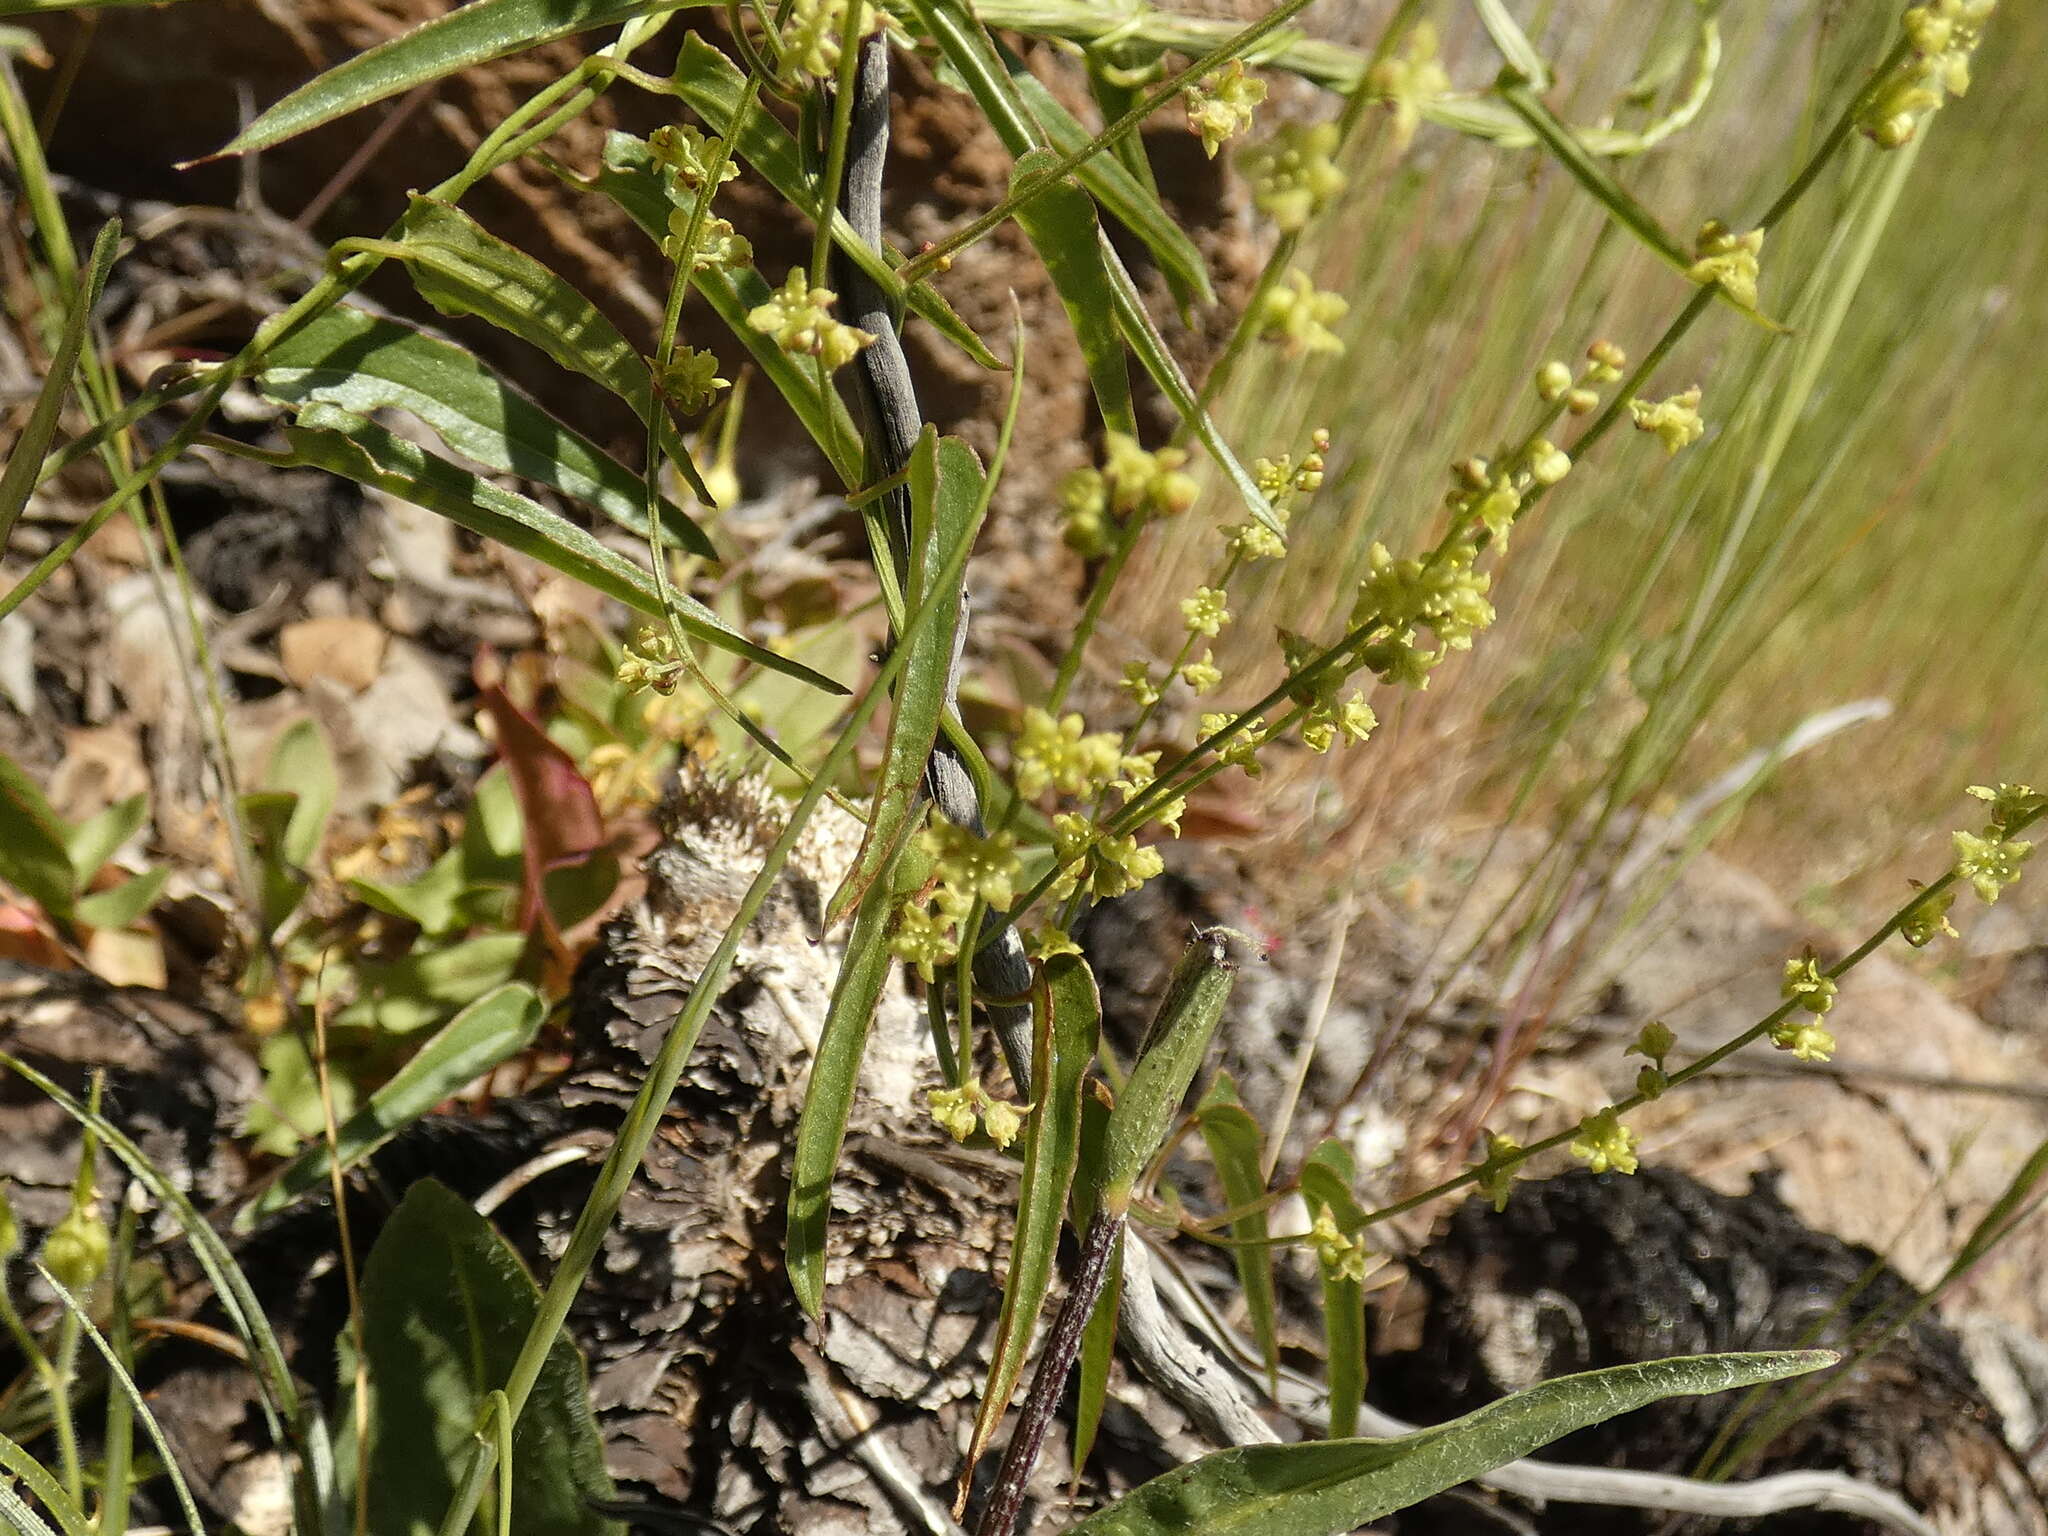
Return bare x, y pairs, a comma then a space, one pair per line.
1323, 1487
301, 765
470, 34
1098, 1339
364, 363
490, 1031
461, 268
359, 450
446, 1304
1235, 1146
122, 904
118, 1373
711, 85
25, 458
33, 858
947, 505
1513, 43
1326, 1186
1122, 195
98, 838
629, 178
22, 1520
1069, 1017
1172, 1054
1145, 340
835, 1075
420, 990
17, 1462
1061, 225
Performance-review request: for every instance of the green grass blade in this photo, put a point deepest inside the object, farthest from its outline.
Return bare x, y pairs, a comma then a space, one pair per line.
359, 450
627, 176
709, 83
1323, 1487
25, 458
16, 1462
1173, 1053
1326, 1186
946, 498
1237, 1146
122, 904
23, 1520
364, 363
1145, 340
471, 34
835, 1075
126, 1384
491, 1030
461, 268
1069, 1019
1061, 225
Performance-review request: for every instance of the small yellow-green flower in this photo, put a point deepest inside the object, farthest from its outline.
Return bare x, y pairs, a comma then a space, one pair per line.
1410, 81
1805, 1038
1552, 380
680, 148
1292, 173
1221, 107
1153, 481
718, 247
1060, 755
691, 381
76, 1250
1342, 1257
1721, 256
1808, 986
1138, 684
799, 318
1676, 421
1204, 675
650, 662
1084, 513
1653, 1042
1242, 750
1297, 314
1942, 35
1991, 862
953, 1109
923, 940
1206, 612
813, 34
984, 867
1002, 1120
2011, 804
1604, 1143
1927, 919
1548, 463
1049, 941
1496, 1177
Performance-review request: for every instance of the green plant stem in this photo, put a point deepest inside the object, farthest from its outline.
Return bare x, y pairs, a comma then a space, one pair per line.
835, 147
120, 1435
643, 1118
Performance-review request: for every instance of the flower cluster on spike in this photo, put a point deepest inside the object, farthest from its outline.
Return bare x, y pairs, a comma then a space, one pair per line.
1495, 1176
959, 1110
799, 319
965, 868
1342, 1256
1604, 1144
1653, 1043
1096, 504
1298, 315
814, 32
1293, 174
650, 662
1940, 37
1812, 991
1676, 421
1221, 107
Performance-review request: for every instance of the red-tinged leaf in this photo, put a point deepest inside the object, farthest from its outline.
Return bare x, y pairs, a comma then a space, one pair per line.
561, 824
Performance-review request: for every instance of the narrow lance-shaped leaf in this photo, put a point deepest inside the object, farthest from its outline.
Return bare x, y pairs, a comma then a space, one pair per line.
828, 1100
1173, 1053
711, 85
25, 459
96, 839
1098, 1342
365, 363
1061, 226
490, 1031
1145, 340
1326, 1187
1324, 1487
1069, 1015
1235, 1142
461, 268
360, 450
945, 485
470, 34
33, 857
628, 177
